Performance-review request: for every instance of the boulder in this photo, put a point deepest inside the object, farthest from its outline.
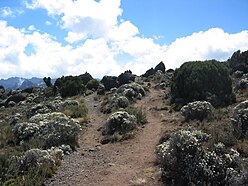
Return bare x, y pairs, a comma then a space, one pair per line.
101, 89
86, 77
149, 72
17, 98
198, 110
126, 77
109, 82
160, 67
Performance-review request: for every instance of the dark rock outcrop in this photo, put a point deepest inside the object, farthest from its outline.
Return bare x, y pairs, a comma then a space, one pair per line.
86, 77
160, 67
125, 78
109, 82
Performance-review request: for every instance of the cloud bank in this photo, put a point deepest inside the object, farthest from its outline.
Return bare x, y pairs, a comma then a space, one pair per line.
100, 42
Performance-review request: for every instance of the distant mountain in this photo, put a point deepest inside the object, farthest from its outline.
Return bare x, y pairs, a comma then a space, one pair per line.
14, 83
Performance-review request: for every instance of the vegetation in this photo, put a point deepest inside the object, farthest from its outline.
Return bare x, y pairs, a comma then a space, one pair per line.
184, 160
202, 80
92, 84
69, 86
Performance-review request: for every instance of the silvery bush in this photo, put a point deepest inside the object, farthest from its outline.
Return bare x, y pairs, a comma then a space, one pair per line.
184, 161
197, 110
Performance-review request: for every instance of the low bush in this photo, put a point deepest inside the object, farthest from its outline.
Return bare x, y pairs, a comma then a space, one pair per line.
139, 113
185, 161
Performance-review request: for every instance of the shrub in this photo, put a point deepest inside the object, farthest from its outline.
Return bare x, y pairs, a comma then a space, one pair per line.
120, 122
202, 80
54, 128
93, 84
184, 160
139, 113
240, 120
197, 110
69, 86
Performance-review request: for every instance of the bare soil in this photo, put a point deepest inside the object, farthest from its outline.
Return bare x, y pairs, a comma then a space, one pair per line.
128, 163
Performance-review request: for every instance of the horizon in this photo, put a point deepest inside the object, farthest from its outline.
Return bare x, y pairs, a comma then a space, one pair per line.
107, 37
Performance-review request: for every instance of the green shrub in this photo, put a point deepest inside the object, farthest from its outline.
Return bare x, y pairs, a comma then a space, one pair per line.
202, 81
69, 86
139, 113
92, 84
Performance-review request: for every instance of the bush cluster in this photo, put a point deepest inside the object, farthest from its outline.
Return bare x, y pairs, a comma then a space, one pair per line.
184, 160
202, 80
69, 86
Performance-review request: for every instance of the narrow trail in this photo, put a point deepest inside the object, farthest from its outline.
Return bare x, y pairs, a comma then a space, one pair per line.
130, 162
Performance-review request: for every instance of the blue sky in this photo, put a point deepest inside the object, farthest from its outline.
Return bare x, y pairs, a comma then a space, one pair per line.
105, 37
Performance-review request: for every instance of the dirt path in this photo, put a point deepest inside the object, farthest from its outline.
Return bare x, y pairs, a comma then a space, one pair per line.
131, 162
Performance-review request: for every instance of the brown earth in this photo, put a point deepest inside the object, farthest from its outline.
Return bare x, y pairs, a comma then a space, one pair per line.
127, 163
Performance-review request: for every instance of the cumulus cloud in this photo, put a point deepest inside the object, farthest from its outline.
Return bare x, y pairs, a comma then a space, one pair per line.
90, 17
99, 42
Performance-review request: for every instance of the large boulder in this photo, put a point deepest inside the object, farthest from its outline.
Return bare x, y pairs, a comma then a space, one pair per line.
149, 72
17, 98
198, 110
126, 77
86, 77
109, 82
160, 67
240, 120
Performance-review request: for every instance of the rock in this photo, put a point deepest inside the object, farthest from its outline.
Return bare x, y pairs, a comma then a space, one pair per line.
101, 89
11, 104
109, 82
120, 122
198, 110
243, 84
86, 77
149, 72
240, 120
126, 77
160, 67
238, 74
16, 98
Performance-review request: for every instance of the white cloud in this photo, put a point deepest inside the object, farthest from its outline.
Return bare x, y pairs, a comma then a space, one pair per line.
8, 12
31, 28
211, 44
48, 23
89, 17
73, 37
105, 39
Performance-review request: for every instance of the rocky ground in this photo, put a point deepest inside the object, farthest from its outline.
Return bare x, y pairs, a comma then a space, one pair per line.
131, 162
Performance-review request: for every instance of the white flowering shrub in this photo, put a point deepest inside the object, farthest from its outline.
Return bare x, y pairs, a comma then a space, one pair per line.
120, 122
197, 110
54, 128
132, 91
240, 120
184, 161
119, 101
